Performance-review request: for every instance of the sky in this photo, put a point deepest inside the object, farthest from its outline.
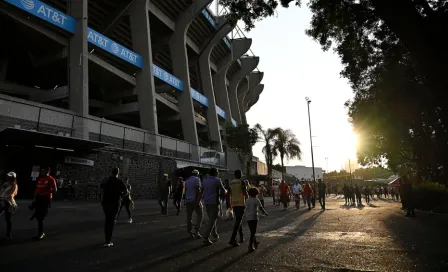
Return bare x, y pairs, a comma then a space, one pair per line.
295, 67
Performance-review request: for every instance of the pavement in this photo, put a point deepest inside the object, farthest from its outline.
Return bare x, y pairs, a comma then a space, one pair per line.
374, 237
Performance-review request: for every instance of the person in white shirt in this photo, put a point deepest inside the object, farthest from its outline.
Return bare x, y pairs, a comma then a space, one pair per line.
296, 189
253, 204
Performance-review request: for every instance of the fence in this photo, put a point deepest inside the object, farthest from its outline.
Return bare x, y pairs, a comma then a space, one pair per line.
63, 123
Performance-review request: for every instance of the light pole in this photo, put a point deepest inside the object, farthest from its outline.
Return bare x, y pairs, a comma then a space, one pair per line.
308, 101
350, 168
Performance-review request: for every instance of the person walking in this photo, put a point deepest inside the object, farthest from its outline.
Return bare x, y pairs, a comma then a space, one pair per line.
164, 193
229, 211
178, 194
253, 204
366, 192
307, 191
45, 189
126, 202
284, 194
358, 195
296, 189
322, 187
313, 196
260, 196
211, 187
277, 194
408, 197
113, 190
193, 196
8, 205
238, 191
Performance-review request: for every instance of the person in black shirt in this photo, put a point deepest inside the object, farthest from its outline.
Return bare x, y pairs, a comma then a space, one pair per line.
178, 194
164, 193
113, 190
322, 189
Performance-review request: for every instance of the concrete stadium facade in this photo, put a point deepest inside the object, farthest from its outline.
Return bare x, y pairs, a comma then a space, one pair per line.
159, 77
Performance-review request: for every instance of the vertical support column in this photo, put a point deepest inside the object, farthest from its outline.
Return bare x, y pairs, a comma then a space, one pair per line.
239, 47
145, 89
212, 117
207, 85
220, 88
78, 64
248, 64
242, 88
179, 57
234, 103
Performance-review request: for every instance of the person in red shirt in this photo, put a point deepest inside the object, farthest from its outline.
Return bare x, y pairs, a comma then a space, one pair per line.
307, 193
284, 194
45, 188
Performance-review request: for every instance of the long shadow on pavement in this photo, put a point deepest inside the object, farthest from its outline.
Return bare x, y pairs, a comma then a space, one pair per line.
422, 239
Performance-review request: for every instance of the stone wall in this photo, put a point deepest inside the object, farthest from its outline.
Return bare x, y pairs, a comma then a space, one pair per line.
143, 170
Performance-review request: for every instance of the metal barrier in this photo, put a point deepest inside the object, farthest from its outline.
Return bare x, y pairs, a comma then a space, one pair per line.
27, 116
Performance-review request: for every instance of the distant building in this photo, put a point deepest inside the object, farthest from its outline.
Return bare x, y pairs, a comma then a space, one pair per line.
304, 173
258, 167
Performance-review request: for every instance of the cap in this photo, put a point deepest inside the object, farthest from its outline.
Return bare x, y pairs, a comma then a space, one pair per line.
12, 175
195, 172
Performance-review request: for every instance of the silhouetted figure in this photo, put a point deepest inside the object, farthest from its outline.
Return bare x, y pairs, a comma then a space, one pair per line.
408, 197
358, 195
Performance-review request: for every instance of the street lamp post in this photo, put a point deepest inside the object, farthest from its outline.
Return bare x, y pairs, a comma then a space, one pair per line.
350, 168
311, 139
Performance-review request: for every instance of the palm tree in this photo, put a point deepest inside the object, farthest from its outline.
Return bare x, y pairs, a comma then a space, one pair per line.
287, 146
267, 136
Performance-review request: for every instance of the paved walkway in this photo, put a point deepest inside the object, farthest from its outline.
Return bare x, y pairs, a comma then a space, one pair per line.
369, 238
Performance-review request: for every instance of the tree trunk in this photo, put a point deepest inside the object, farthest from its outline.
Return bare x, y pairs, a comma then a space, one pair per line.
283, 168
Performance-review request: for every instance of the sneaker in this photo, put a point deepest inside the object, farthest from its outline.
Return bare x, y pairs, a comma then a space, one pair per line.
38, 238
207, 242
234, 243
251, 249
130, 221
109, 244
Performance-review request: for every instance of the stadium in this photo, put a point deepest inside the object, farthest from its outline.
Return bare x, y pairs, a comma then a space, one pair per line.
146, 85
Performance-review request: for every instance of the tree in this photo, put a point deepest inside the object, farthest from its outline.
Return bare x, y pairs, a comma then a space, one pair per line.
267, 136
353, 25
287, 146
241, 139
393, 56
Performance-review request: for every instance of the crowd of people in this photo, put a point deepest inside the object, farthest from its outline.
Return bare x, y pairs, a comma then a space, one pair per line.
240, 197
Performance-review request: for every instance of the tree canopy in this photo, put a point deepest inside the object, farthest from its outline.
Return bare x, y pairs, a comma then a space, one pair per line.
393, 55
287, 146
267, 137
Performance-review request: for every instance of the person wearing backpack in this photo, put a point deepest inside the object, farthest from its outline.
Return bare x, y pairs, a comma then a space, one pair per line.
238, 194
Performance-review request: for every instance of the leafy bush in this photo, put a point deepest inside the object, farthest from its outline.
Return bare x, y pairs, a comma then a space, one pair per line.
431, 196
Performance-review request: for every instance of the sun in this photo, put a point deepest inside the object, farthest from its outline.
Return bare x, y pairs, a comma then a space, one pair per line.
345, 143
